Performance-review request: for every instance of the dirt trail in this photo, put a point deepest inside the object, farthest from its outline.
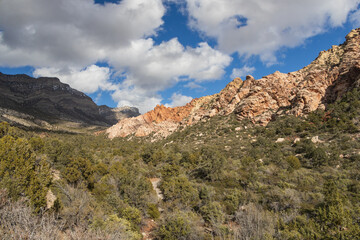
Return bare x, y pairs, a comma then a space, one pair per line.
150, 225
155, 182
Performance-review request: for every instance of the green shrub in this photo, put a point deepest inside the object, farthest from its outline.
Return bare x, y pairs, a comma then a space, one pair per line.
179, 190
318, 157
21, 173
213, 213
153, 211
179, 225
294, 162
133, 215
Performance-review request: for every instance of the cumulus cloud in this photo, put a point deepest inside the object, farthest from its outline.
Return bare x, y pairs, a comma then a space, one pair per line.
87, 80
148, 68
155, 67
136, 97
178, 99
242, 72
262, 27
193, 85
65, 38
58, 32
355, 18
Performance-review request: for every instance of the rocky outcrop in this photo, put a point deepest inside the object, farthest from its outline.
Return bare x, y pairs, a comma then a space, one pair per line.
161, 119
328, 77
162, 113
43, 102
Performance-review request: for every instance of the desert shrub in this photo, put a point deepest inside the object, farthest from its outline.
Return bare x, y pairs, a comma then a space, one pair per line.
206, 193
170, 170
58, 151
333, 218
79, 169
246, 161
133, 215
179, 190
189, 158
103, 188
158, 156
213, 213
21, 173
180, 225
330, 220
233, 200
318, 157
153, 155
294, 162
19, 222
153, 211
130, 183
114, 227
253, 223
7, 130
37, 144
305, 146
4, 129
301, 227
210, 165
285, 126
101, 169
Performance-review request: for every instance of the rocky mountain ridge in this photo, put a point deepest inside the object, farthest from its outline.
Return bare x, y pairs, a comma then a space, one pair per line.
44, 102
328, 77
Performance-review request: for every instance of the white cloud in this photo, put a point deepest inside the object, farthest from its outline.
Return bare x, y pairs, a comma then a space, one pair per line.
355, 18
262, 27
193, 85
157, 67
178, 99
87, 80
148, 69
140, 98
242, 72
98, 97
66, 38
152, 68
48, 33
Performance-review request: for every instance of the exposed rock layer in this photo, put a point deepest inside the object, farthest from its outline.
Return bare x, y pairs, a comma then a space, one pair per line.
328, 77
45, 101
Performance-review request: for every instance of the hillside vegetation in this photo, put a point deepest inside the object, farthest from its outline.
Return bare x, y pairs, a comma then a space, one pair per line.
296, 178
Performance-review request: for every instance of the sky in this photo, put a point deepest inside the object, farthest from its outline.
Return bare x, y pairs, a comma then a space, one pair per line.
142, 53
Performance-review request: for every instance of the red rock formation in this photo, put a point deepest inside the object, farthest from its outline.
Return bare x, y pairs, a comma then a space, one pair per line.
330, 75
327, 78
162, 113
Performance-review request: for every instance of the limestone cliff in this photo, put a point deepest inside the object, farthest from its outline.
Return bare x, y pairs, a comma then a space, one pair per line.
43, 102
328, 77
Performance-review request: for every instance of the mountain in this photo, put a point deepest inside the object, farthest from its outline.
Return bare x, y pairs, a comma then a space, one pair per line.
327, 78
45, 102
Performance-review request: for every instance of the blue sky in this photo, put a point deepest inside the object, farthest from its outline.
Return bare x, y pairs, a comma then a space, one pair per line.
147, 52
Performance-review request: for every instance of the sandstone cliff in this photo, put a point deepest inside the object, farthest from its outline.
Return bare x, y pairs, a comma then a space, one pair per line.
329, 76
43, 102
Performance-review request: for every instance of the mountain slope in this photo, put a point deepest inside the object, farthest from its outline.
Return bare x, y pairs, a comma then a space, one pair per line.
328, 77
46, 101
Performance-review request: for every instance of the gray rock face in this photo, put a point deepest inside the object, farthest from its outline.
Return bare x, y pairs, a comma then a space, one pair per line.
52, 101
